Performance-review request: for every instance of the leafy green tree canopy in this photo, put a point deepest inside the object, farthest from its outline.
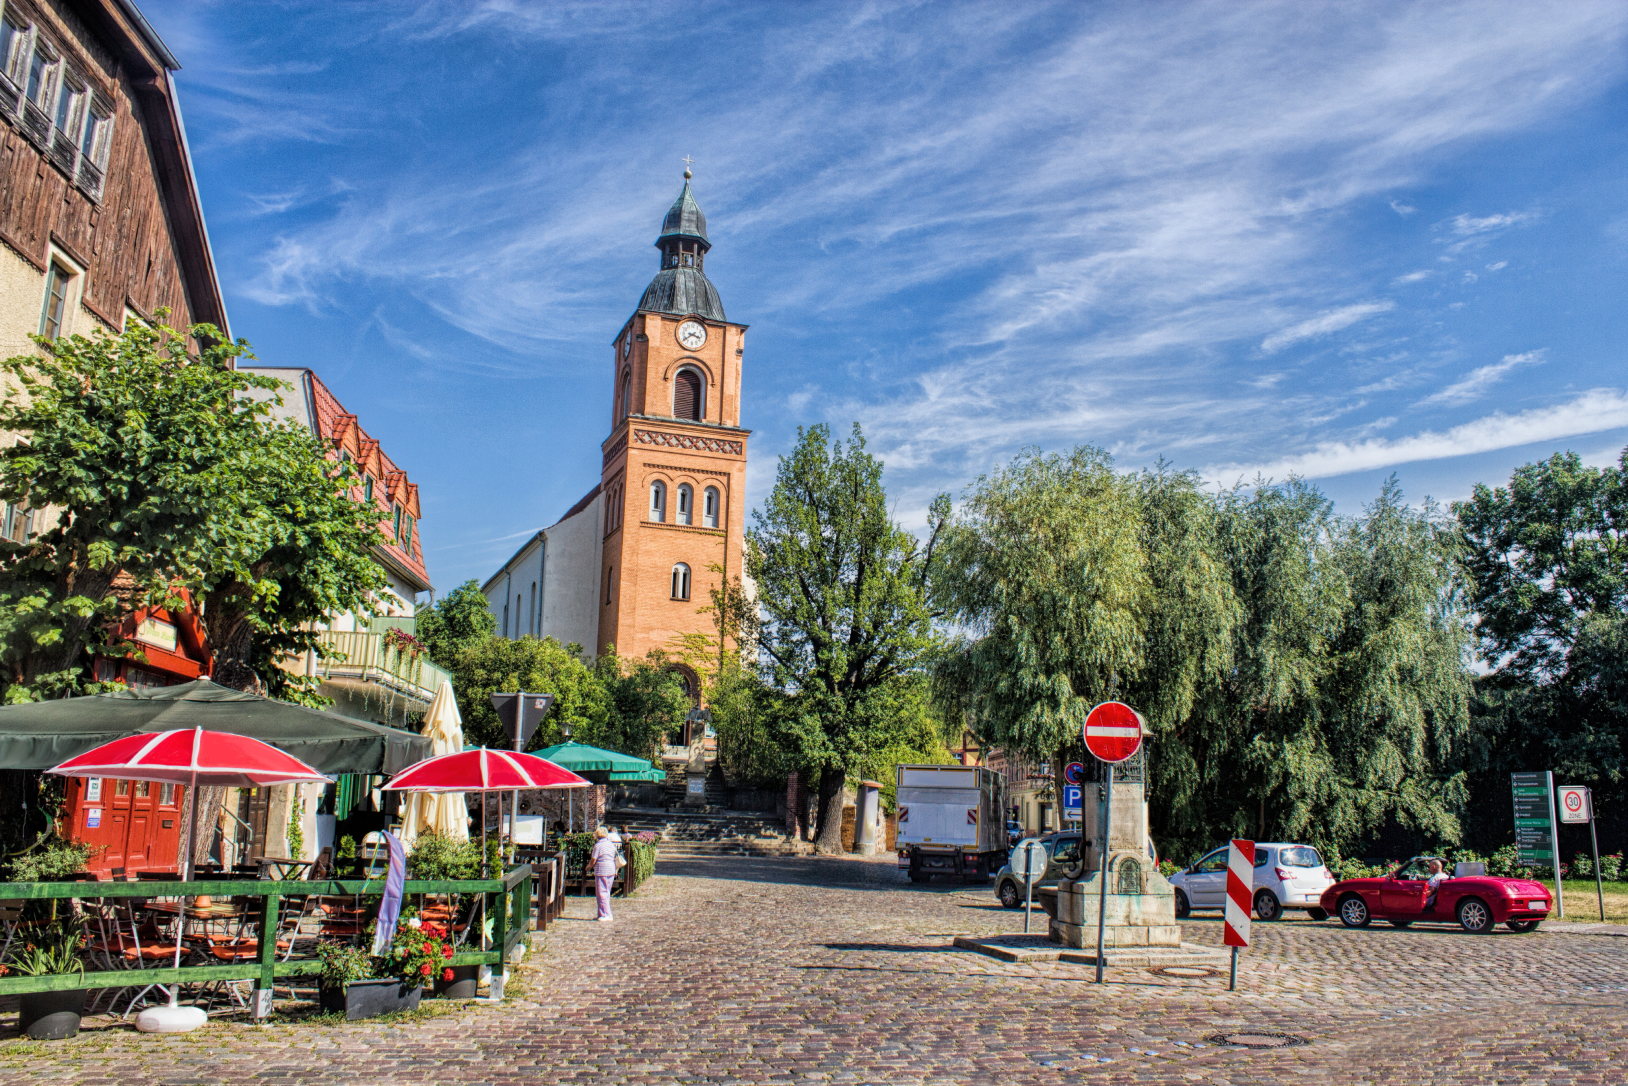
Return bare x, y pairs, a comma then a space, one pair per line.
842, 593
537, 665
458, 620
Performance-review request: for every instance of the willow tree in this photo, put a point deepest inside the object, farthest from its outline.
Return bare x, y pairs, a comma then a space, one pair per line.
844, 609
1045, 573
1345, 709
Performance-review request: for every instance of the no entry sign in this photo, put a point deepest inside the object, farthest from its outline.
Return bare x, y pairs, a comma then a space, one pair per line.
1113, 731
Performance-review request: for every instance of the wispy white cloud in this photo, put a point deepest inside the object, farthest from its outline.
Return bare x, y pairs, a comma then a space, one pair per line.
1594, 411
1402, 209
1323, 324
1410, 277
1473, 385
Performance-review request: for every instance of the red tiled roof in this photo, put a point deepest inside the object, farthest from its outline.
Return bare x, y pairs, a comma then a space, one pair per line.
342, 430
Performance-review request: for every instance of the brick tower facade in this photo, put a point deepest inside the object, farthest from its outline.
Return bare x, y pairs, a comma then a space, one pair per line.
674, 477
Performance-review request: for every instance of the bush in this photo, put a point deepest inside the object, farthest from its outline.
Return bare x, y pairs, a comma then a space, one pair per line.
1168, 868
1582, 866
1611, 867
1356, 869
1502, 863
54, 858
436, 858
641, 855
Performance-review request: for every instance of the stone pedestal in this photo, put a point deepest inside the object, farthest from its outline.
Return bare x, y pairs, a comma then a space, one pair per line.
1141, 906
867, 818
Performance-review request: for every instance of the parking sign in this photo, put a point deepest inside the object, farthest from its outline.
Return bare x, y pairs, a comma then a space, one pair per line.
1071, 801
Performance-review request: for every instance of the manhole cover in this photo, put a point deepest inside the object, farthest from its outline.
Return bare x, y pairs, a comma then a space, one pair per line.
1253, 1038
1184, 972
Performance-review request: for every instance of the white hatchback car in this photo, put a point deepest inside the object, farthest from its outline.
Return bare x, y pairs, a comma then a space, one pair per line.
1287, 876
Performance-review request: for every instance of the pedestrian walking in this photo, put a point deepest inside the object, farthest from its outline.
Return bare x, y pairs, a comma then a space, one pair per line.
603, 859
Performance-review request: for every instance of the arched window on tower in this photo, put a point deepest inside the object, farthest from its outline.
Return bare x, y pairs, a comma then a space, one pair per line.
681, 582
686, 503
688, 395
709, 508
624, 395
658, 501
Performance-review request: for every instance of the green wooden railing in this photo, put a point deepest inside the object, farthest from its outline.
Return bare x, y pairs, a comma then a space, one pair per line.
508, 904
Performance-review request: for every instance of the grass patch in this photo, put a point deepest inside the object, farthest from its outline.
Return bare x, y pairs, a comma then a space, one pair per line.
1582, 904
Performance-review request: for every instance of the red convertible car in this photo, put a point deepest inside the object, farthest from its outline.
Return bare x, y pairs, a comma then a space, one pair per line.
1476, 900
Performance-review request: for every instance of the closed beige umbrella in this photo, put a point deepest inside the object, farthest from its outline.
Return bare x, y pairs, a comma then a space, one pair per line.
442, 813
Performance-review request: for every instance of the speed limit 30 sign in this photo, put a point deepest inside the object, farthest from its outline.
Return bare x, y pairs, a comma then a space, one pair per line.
1575, 805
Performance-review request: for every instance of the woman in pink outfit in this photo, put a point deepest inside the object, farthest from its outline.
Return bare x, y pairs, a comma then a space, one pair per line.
603, 861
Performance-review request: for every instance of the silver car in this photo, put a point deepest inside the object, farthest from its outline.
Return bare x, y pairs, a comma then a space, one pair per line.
1062, 856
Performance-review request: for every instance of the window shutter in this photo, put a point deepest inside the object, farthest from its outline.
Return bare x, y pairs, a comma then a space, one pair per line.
687, 395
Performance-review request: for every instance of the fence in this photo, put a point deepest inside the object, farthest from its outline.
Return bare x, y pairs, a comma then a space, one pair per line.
508, 904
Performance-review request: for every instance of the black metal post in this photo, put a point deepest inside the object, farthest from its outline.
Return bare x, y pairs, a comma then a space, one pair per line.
1594, 839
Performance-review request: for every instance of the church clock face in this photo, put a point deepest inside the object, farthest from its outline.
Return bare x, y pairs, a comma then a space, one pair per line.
691, 334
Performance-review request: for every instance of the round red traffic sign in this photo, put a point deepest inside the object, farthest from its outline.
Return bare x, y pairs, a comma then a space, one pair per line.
1113, 731
1574, 801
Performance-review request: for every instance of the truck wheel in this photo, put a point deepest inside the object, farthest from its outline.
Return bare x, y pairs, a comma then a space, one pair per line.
1009, 895
919, 876
1183, 908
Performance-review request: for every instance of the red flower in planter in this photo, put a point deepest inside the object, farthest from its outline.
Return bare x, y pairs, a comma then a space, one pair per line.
446, 974
425, 969
446, 951
429, 948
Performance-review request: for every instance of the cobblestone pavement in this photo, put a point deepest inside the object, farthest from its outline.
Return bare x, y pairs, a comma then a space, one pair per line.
735, 970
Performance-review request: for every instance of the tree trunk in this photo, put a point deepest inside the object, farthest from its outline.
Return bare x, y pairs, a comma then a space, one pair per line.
829, 841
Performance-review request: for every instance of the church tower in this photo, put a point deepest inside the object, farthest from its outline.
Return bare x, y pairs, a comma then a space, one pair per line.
674, 477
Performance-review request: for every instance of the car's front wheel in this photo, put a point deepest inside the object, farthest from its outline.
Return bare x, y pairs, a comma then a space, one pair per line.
1183, 907
1009, 894
1524, 925
1354, 911
1267, 906
1318, 915
1474, 916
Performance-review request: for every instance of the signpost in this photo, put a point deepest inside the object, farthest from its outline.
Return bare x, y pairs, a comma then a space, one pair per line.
1240, 894
1537, 841
1113, 733
519, 713
1029, 864
1577, 805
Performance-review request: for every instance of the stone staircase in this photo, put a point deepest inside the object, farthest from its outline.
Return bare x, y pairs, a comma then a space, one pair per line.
687, 834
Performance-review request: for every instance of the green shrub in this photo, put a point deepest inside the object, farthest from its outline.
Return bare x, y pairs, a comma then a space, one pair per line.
436, 858
53, 858
641, 855
49, 952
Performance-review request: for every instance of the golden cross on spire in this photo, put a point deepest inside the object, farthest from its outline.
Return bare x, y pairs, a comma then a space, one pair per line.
688, 161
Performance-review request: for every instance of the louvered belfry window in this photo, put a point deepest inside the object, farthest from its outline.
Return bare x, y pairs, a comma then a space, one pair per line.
687, 395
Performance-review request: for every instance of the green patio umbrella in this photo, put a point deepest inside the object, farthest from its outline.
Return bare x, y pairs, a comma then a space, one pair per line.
41, 734
581, 758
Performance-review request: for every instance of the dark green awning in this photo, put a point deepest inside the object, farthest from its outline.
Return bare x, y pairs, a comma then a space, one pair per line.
41, 734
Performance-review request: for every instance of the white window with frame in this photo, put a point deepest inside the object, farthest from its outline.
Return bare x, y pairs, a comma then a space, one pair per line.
709, 507
18, 523
686, 503
681, 582
658, 502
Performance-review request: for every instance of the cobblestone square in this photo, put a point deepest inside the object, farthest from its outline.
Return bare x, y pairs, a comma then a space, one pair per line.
741, 970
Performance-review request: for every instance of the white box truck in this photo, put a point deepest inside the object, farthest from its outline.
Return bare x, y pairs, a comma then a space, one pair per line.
951, 821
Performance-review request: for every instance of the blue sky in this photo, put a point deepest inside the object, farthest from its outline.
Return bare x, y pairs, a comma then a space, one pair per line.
1338, 240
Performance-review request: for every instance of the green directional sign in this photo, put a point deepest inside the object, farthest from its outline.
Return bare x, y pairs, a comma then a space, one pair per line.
1534, 818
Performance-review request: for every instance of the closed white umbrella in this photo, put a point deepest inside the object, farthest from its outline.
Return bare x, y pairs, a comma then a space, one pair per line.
442, 813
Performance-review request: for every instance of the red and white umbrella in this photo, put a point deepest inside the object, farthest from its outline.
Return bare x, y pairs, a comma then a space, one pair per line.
190, 756
483, 770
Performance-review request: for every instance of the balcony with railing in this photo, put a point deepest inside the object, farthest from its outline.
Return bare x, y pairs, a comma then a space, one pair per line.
364, 657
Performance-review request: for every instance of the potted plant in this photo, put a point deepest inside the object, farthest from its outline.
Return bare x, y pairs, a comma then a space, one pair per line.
53, 1015
350, 982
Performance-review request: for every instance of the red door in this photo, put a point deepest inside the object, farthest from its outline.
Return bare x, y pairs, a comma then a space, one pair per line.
1402, 898
132, 825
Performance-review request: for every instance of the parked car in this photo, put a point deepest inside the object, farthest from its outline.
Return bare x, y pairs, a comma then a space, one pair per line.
1287, 876
1062, 855
1477, 901
1014, 832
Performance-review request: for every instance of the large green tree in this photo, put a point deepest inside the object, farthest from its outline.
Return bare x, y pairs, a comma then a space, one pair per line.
648, 701
1548, 554
458, 620
537, 665
156, 465
842, 590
